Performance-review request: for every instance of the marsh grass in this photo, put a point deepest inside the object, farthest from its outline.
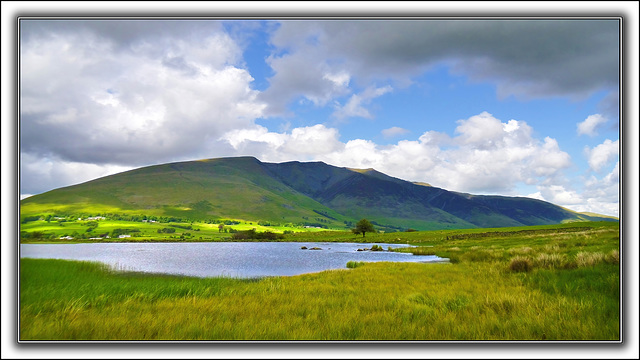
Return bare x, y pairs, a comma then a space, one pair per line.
551, 261
521, 264
477, 297
354, 264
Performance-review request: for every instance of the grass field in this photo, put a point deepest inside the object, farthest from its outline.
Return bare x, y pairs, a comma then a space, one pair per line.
549, 283
42, 231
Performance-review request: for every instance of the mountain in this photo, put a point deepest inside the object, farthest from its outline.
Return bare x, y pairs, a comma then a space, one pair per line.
292, 192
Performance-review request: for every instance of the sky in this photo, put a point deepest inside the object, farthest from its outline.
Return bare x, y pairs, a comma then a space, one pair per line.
509, 106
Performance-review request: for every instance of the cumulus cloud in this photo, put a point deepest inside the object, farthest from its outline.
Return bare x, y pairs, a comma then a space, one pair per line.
602, 154
590, 125
481, 131
300, 144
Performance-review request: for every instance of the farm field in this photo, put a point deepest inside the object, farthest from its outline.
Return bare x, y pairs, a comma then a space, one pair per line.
106, 230
543, 283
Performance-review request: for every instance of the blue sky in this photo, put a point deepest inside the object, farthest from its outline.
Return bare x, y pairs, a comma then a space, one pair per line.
514, 107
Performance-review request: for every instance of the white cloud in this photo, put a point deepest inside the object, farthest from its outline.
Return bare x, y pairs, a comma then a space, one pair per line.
45, 173
559, 195
340, 79
602, 154
549, 158
300, 143
312, 140
394, 131
481, 131
355, 106
602, 194
598, 195
590, 125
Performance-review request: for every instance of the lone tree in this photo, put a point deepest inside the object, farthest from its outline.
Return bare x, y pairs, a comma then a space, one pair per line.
363, 226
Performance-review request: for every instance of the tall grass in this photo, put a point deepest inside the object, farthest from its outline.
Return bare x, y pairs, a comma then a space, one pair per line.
354, 264
568, 292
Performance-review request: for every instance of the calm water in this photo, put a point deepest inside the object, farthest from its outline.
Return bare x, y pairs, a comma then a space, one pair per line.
234, 259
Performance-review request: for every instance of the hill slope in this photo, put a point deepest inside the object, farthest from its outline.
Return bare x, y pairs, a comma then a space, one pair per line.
291, 192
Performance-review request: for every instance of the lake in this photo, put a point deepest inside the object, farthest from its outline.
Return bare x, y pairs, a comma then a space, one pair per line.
231, 259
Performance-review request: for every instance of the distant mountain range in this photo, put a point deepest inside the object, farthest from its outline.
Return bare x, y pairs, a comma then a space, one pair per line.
311, 193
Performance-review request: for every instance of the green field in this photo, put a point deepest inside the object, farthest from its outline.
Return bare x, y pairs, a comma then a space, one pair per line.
51, 231
558, 282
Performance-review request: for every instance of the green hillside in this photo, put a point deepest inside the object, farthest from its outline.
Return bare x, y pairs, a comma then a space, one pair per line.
292, 192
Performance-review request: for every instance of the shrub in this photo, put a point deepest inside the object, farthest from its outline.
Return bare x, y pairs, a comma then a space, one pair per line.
253, 235
27, 219
521, 264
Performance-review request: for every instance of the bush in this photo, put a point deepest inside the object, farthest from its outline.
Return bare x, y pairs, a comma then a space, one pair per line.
253, 235
27, 219
521, 264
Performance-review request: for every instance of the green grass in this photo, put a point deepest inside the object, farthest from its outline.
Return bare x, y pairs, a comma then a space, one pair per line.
51, 231
570, 292
354, 264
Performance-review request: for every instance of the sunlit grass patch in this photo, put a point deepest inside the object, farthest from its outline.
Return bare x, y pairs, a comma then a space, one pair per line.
584, 259
523, 250
551, 261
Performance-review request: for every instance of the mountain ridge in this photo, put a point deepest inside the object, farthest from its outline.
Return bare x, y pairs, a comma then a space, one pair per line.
293, 192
